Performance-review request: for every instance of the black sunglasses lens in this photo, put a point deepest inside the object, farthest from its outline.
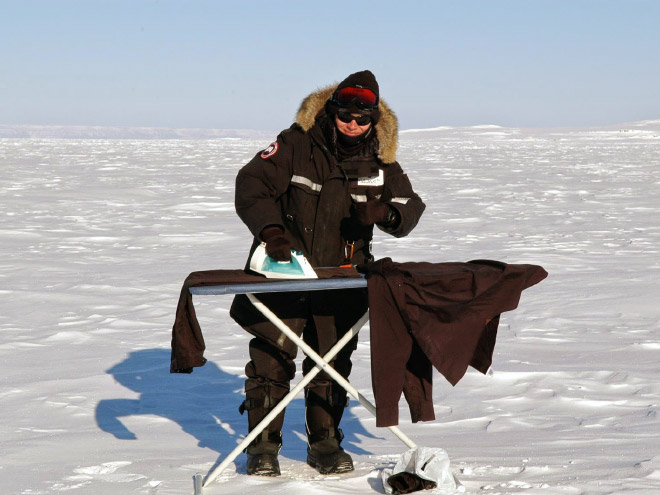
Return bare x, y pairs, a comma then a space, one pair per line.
346, 118
363, 119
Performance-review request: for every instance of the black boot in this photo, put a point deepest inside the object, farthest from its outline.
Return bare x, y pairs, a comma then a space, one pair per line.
324, 407
262, 395
327, 456
262, 456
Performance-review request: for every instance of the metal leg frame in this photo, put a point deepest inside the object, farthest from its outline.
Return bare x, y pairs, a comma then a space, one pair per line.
321, 365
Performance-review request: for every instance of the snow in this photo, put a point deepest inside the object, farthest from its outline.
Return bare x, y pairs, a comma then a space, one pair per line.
97, 236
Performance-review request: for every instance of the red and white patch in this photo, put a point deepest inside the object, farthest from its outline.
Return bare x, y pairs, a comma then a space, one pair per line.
270, 151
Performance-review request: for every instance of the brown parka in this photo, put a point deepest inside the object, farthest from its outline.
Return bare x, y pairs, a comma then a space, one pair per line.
299, 184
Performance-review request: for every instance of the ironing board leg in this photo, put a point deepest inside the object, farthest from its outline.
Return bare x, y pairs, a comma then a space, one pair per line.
323, 366
329, 370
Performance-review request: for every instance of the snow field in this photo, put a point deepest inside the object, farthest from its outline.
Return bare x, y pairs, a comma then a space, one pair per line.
97, 236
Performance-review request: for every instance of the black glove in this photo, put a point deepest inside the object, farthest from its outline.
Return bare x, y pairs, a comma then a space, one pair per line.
278, 247
405, 482
374, 211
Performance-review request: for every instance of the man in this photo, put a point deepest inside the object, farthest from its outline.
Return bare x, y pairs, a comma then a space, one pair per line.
320, 189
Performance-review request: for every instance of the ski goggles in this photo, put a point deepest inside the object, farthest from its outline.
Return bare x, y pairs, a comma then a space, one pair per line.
347, 118
355, 95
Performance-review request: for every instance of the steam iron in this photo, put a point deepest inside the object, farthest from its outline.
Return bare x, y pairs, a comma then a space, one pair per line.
298, 267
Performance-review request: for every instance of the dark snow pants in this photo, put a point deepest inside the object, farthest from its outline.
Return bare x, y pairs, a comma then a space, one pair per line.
321, 317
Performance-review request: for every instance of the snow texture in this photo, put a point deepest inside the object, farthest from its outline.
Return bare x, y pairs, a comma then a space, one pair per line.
97, 236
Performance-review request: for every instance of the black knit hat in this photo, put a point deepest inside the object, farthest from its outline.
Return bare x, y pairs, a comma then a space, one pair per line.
363, 79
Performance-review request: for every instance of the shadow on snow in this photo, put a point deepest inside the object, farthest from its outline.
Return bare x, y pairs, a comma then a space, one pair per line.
204, 404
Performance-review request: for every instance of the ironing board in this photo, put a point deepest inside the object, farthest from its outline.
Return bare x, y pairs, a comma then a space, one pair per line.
472, 296
322, 362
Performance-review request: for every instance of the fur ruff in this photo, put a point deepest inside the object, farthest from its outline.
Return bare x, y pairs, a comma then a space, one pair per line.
387, 128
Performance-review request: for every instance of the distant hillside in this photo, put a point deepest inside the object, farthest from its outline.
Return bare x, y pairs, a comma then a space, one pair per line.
101, 132
641, 129
650, 128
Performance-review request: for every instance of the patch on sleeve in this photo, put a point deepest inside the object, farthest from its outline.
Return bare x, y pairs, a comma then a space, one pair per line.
270, 151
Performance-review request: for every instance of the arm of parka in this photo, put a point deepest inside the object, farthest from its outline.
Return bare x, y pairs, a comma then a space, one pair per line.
259, 184
398, 193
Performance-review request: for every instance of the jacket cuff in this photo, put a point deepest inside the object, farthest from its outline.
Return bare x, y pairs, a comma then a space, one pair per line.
387, 415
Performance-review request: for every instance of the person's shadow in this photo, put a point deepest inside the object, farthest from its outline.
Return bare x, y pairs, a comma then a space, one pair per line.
205, 405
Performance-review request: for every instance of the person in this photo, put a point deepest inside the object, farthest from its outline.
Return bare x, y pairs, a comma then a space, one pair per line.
319, 189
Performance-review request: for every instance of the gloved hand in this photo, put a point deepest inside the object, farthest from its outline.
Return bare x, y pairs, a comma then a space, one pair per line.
373, 211
278, 247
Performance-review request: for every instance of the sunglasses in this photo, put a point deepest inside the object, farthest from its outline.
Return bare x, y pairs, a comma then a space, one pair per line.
347, 118
355, 95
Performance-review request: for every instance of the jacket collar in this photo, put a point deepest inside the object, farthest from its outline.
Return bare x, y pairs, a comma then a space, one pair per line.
386, 129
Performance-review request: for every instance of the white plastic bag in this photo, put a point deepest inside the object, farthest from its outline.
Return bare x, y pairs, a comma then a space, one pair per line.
430, 464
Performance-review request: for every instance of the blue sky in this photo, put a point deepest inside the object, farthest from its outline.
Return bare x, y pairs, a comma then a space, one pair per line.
247, 64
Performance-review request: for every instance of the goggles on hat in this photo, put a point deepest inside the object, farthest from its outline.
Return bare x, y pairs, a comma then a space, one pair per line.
346, 118
356, 95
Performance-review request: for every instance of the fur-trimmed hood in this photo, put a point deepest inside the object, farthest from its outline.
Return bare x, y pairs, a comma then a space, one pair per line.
387, 128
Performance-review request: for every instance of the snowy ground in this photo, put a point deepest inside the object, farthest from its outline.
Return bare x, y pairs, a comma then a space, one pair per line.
97, 235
